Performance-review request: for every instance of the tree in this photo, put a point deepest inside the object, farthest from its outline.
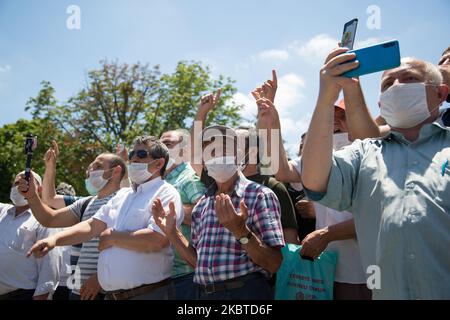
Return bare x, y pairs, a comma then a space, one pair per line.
72, 163
122, 101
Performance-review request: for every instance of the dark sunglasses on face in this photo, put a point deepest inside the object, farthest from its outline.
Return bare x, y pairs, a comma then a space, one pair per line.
141, 154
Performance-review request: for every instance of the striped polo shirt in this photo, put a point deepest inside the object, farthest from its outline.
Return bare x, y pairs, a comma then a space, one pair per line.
87, 261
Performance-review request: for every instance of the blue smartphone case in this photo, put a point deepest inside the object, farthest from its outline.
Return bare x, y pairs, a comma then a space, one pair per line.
379, 57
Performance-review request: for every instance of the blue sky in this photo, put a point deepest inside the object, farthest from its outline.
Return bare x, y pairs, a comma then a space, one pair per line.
240, 39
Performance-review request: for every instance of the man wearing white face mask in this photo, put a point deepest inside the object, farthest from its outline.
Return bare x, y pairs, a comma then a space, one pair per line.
135, 260
22, 278
236, 231
103, 177
397, 187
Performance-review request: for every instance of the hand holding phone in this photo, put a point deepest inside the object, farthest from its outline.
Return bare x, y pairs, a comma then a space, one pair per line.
378, 57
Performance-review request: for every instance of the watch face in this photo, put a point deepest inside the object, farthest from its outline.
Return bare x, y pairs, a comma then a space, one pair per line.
243, 240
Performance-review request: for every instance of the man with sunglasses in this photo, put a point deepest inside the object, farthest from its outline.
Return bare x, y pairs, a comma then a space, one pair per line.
104, 175
135, 260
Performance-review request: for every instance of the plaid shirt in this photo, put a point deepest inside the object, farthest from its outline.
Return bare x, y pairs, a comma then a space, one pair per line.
219, 255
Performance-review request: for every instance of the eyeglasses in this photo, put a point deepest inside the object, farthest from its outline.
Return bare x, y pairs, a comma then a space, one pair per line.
141, 154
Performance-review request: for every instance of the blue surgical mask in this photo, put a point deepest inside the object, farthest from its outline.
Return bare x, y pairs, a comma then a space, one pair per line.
90, 188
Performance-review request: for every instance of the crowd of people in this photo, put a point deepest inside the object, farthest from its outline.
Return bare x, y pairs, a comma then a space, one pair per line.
204, 214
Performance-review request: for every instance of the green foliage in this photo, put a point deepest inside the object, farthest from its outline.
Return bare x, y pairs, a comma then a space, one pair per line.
71, 165
119, 102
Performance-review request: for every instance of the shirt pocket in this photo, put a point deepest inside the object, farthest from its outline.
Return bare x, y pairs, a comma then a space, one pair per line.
24, 240
442, 183
138, 219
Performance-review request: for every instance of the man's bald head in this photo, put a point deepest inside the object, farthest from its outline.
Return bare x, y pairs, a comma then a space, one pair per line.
412, 70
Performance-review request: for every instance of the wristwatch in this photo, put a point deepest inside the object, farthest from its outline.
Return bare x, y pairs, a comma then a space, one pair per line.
245, 239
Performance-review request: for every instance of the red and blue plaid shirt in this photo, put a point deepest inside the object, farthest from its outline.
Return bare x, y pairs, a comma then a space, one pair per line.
220, 256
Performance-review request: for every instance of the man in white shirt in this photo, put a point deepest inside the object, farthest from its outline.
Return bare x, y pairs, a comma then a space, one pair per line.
135, 259
22, 278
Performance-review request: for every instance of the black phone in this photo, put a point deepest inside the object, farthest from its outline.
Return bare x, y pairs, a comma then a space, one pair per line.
30, 146
349, 34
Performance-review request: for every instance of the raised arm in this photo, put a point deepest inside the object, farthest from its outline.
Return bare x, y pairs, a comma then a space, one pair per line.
46, 216
207, 103
360, 123
49, 196
268, 123
166, 221
317, 151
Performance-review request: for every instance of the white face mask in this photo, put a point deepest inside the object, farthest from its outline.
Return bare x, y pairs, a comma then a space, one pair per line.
221, 169
405, 105
138, 172
17, 198
96, 179
340, 140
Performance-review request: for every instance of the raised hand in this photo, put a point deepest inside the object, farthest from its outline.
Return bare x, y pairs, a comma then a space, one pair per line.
331, 79
51, 156
42, 247
122, 152
166, 221
27, 188
268, 117
228, 217
209, 101
269, 88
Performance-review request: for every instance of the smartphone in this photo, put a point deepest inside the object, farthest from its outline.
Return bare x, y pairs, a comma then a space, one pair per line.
378, 57
348, 36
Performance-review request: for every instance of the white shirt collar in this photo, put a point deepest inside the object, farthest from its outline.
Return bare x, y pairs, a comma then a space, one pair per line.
146, 185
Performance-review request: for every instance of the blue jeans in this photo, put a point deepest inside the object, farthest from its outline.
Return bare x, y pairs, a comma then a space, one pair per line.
185, 288
256, 287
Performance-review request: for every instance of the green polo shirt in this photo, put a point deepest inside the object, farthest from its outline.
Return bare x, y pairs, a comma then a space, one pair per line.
188, 184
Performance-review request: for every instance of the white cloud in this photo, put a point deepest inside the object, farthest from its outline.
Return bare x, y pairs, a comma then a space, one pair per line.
273, 55
249, 110
366, 42
5, 68
315, 49
292, 129
289, 94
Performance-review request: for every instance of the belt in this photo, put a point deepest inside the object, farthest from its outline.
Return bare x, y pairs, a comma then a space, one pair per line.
230, 284
131, 293
13, 294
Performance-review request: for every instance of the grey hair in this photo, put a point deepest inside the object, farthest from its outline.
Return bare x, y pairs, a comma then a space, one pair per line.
433, 74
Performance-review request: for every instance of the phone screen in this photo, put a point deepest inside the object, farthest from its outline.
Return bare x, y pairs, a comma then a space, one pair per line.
348, 36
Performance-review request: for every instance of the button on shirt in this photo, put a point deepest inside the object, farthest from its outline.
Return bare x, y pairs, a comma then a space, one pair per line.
17, 236
130, 210
399, 193
219, 254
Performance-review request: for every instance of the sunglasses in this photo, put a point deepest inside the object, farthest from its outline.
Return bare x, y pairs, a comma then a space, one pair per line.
141, 154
